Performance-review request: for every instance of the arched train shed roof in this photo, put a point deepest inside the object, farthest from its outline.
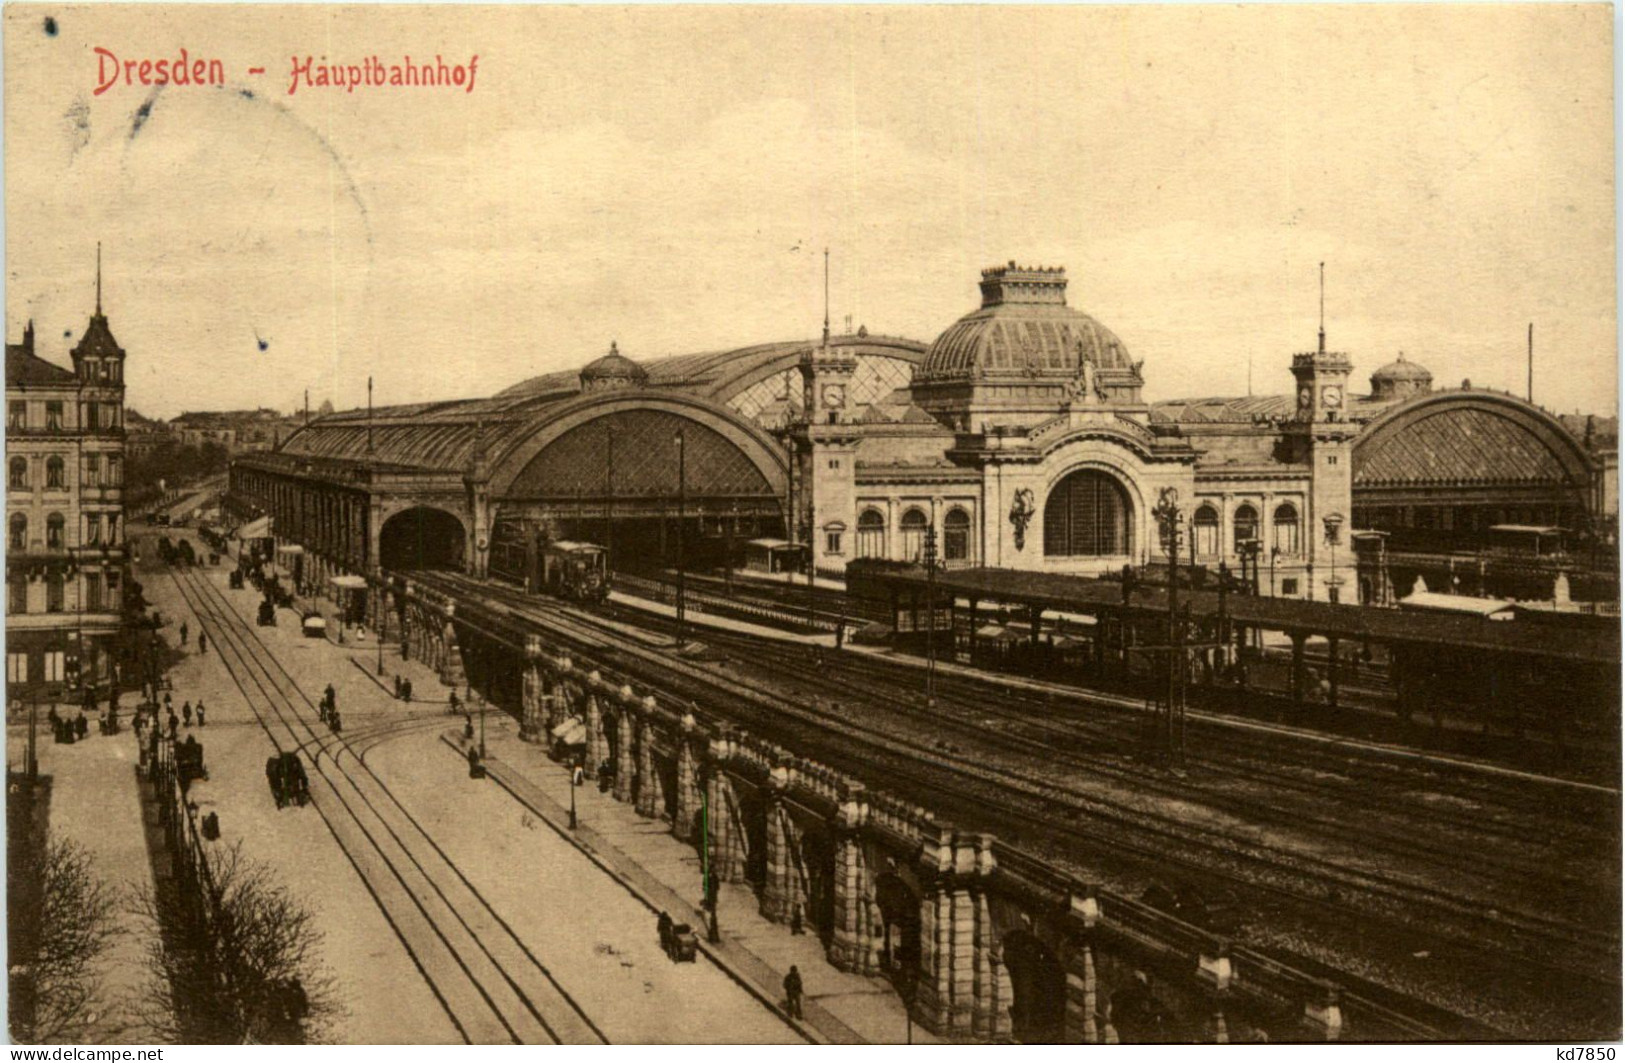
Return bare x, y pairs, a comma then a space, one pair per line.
445, 436
1468, 439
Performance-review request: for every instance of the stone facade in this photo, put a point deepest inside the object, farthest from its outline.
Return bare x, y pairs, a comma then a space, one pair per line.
66, 564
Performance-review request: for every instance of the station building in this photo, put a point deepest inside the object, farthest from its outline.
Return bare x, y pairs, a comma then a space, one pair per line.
66, 567
1018, 438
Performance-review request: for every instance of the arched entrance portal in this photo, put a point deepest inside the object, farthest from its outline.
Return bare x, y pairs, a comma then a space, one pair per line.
650, 477
421, 537
1087, 515
1038, 986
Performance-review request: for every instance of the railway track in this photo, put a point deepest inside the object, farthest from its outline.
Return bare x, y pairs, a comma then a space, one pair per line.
1069, 817
491, 986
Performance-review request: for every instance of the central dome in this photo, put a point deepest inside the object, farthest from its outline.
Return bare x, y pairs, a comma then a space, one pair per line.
1023, 329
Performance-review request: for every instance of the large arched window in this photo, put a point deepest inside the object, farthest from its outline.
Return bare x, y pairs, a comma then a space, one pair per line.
19, 532
1286, 529
956, 535
1245, 524
19, 474
1205, 531
914, 524
55, 527
53, 473
872, 533
1087, 515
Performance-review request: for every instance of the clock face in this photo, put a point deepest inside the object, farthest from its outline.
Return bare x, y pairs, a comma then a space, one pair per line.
1306, 397
834, 395
1330, 397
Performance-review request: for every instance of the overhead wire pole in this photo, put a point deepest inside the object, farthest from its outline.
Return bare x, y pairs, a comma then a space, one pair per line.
682, 500
1530, 386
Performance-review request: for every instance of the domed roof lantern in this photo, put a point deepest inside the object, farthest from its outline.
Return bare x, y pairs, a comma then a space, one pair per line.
613, 370
1400, 379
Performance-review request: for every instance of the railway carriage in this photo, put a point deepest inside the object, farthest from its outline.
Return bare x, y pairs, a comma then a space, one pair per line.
572, 570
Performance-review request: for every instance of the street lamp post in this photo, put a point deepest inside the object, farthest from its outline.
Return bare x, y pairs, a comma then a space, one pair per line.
1168, 520
1334, 527
930, 557
682, 501
728, 548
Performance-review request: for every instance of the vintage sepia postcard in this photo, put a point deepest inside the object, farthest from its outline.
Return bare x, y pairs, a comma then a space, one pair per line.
811, 524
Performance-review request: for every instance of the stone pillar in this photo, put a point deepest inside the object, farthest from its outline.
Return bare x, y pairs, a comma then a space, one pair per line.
623, 747
1082, 983
933, 996
688, 795
962, 958
987, 1002
597, 744
651, 796
775, 904
530, 722
451, 672
850, 937
560, 705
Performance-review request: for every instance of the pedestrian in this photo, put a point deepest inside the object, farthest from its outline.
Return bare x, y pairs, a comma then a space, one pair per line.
408, 690
186, 713
174, 725
183, 632
202, 642
792, 992
329, 697
796, 926
81, 726
397, 688
200, 712
453, 703
53, 717
169, 703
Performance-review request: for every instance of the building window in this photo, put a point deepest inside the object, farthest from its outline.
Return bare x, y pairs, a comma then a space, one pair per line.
1289, 586
1331, 459
17, 595
56, 666
16, 667
1087, 515
55, 600
835, 463
19, 474
1205, 531
54, 473
115, 470
53, 416
872, 533
55, 532
93, 415
112, 529
19, 533
832, 542
956, 535
1286, 529
16, 416
1245, 523
93, 470
93, 592
93, 528
914, 524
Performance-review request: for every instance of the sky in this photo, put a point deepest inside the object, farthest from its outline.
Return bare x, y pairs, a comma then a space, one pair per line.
668, 178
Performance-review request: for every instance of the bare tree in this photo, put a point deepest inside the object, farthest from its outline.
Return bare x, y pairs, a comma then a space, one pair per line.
237, 962
56, 987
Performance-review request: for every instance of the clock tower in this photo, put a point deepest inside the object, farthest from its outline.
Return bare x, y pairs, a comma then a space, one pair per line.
1324, 440
824, 511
